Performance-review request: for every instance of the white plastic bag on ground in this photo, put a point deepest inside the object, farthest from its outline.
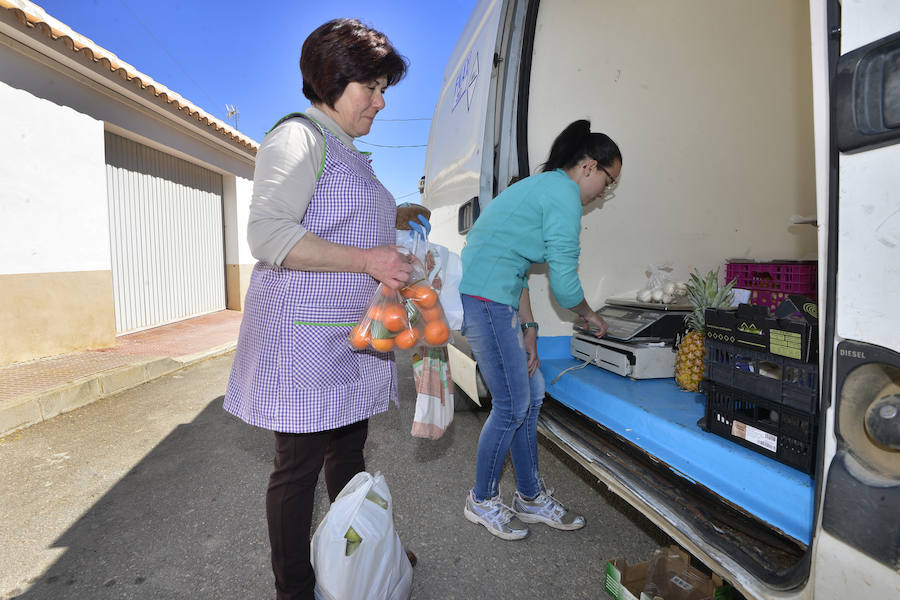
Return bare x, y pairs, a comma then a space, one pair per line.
367, 563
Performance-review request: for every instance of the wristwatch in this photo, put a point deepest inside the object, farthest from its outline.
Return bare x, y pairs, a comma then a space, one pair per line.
525, 326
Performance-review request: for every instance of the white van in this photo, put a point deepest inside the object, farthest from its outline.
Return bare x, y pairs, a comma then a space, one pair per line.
761, 130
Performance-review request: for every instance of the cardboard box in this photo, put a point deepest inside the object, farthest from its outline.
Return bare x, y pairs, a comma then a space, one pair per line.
668, 574
795, 335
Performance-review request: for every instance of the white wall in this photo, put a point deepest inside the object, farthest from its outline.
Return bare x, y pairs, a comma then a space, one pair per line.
24, 69
54, 115
53, 214
237, 194
711, 105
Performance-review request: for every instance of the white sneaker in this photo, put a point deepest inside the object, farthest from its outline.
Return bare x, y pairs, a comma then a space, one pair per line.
546, 509
496, 516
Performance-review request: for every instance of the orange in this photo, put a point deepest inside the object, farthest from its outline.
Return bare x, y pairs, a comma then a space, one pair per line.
376, 312
436, 333
394, 317
424, 296
383, 344
407, 338
359, 337
431, 314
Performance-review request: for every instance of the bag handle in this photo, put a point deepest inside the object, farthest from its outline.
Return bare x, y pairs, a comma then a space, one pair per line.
350, 499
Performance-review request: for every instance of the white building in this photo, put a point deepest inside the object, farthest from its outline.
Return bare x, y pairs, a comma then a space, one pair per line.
122, 205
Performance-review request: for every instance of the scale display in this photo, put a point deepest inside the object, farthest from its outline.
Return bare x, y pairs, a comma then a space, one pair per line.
627, 323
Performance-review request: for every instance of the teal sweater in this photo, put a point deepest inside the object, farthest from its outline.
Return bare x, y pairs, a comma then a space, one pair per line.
536, 220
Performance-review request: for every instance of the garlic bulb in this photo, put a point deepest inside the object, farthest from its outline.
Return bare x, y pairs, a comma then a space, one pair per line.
668, 298
669, 288
644, 296
656, 295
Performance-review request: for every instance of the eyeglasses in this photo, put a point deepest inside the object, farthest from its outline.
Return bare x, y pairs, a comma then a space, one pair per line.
610, 190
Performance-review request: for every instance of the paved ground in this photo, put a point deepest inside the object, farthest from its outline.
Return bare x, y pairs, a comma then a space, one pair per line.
37, 390
158, 493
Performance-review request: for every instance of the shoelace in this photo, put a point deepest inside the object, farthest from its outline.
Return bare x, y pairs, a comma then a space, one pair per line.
547, 490
551, 505
502, 513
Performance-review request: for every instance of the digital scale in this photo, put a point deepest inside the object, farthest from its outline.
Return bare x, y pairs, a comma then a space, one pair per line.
639, 340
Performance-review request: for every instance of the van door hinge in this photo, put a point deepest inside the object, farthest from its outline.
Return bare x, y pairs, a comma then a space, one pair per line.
497, 59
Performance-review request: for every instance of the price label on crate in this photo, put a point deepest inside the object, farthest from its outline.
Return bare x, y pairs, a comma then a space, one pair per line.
755, 436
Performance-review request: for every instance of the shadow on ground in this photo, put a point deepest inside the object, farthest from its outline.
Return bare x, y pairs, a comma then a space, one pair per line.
189, 520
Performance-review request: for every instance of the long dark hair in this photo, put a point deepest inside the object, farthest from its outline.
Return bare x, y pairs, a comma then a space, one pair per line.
577, 142
345, 50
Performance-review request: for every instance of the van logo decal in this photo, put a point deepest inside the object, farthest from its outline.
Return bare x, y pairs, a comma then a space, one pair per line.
465, 81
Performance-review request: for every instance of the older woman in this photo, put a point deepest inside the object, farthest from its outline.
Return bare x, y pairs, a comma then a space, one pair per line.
322, 227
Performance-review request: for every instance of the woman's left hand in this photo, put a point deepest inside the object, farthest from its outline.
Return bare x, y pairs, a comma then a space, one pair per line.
531, 350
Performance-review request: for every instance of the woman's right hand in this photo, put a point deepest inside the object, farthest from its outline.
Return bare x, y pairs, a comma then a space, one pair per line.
388, 265
596, 323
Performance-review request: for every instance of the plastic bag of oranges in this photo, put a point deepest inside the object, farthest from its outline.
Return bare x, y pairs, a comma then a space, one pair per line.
402, 318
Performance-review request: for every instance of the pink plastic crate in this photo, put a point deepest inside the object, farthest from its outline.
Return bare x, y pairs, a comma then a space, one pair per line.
771, 282
787, 277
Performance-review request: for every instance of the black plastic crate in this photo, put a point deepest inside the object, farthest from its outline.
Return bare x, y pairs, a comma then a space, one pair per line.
793, 383
772, 429
752, 327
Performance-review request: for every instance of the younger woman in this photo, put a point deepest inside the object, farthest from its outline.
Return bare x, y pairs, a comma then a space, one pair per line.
536, 220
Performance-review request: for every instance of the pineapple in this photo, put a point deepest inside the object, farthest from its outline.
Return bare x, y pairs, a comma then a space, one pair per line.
704, 293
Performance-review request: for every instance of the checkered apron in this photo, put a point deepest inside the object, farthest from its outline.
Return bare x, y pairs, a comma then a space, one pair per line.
293, 369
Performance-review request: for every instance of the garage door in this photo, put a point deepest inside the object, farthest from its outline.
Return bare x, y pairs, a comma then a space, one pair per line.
166, 236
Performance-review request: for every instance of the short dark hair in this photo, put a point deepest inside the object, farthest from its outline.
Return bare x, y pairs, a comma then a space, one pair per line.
577, 141
342, 51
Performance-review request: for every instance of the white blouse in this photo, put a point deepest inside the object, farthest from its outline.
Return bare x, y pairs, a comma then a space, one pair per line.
284, 180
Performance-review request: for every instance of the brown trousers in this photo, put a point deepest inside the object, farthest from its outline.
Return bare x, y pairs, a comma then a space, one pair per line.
290, 496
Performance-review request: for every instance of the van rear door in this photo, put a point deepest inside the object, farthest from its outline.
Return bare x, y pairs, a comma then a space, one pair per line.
860, 515
455, 159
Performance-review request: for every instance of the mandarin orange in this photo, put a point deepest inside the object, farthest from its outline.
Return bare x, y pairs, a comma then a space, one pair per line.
436, 333
407, 338
431, 314
394, 317
382, 344
359, 337
376, 311
424, 296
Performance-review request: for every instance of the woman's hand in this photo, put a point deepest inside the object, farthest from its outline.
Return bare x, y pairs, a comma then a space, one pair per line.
595, 323
531, 350
388, 265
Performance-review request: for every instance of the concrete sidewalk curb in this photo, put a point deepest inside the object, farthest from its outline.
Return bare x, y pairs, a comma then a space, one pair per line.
46, 404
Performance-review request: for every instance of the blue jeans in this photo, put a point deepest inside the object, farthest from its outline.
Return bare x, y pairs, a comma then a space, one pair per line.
495, 335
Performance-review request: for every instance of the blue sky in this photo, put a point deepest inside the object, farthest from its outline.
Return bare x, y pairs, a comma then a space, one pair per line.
246, 54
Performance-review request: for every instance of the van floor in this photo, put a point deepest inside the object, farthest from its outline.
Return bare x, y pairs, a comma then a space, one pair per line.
662, 420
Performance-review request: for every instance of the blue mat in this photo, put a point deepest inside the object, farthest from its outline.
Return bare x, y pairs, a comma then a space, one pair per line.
662, 419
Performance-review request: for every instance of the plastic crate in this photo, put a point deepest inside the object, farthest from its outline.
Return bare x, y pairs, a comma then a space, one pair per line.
786, 277
769, 428
771, 282
784, 380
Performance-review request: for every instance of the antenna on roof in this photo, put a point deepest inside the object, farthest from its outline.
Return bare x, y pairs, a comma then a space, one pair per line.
231, 112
